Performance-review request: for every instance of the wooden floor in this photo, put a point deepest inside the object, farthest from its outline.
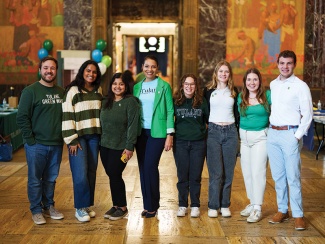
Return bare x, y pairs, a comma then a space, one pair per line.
16, 225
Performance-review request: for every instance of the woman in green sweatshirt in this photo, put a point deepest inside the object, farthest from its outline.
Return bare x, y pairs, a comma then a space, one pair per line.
191, 118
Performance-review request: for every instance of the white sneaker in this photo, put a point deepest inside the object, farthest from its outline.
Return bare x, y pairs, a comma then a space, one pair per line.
181, 211
91, 212
213, 213
225, 212
82, 215
247, 211
255, 216
195, 212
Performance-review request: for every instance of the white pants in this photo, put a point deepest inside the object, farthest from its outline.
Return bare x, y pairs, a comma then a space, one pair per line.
253, 163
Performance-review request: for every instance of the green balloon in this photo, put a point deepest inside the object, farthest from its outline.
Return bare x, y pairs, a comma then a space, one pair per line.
107, 60
39, 75
101, 44
48, 45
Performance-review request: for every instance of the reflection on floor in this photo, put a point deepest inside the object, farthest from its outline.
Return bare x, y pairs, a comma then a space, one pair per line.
16, 225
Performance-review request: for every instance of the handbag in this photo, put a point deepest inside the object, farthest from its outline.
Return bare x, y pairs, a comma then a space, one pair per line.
5, 149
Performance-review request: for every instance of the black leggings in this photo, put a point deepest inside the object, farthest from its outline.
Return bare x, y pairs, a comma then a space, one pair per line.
114, 168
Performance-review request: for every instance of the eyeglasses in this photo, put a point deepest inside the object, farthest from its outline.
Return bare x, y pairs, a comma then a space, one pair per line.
189, 84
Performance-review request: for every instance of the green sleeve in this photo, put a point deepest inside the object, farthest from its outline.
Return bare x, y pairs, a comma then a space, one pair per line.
24, 116
170, 109
268, 96
133, 112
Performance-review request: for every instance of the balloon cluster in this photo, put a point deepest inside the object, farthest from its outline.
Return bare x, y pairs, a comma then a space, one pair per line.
47, 47
104, 61
44, 51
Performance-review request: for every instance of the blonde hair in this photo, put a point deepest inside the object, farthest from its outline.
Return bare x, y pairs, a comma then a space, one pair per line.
214, 82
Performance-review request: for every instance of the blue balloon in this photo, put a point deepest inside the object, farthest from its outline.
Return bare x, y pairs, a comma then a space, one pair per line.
97, 55
42, 53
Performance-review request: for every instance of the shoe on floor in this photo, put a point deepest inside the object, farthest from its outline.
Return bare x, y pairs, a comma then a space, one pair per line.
225, 212
195, 212
151, 214
82, 215
279, 217
300, 223
109, 212
255, 216
247, 211
213, 213
118, 214
53, 213
91, 212
182, 211
38, 219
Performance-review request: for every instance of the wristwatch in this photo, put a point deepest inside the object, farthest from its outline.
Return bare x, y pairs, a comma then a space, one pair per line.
171, 134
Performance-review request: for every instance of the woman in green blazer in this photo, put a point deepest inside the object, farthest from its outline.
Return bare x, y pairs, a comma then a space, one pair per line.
157, 121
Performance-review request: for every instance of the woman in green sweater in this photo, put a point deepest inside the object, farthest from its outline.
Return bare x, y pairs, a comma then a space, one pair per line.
119, 118
254, 108
191, 118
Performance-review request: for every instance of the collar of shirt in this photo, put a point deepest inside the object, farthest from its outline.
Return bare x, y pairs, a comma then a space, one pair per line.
292, 78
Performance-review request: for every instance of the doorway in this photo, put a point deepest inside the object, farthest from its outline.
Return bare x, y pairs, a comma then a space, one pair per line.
133, 41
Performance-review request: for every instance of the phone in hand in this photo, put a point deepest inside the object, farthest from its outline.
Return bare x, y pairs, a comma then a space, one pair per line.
124, 158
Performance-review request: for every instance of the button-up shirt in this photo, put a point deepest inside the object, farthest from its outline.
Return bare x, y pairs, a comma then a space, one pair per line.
291, 104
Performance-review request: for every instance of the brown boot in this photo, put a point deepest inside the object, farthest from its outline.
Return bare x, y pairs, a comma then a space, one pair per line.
300, 223
279, 217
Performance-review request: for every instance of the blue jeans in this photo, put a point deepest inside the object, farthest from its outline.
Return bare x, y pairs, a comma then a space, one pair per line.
149, 151
83, 168
221, 160
43, 168
189, 158
285, 163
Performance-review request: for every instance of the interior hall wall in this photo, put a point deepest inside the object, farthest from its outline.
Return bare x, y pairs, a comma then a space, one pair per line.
212, 41
77, 24
212, 36
24, 26
314, 68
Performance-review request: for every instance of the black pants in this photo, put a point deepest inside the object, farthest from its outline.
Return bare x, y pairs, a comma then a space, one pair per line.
114, 168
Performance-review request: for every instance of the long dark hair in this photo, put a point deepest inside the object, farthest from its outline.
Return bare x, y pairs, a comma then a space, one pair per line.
110, 94
79, 80
179, 96
260, 96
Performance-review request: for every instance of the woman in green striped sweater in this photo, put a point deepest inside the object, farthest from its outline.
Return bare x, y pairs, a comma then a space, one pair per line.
81, 132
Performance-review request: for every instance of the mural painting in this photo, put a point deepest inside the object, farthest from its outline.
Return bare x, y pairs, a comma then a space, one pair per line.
25, 25
258, 30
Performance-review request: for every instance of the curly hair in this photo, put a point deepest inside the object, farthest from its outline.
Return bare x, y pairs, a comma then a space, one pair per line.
260, 96
214, 82
179, 96
79, 80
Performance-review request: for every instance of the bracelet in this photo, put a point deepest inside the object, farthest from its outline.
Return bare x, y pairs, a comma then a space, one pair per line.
171, 134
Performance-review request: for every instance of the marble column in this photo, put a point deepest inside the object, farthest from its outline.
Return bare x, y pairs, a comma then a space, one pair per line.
314, 63
212, 36
77, 24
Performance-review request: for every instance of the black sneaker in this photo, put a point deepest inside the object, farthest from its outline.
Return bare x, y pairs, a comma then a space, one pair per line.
110, 212
118, 214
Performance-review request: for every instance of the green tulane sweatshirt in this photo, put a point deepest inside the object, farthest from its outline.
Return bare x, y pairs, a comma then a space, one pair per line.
190, 123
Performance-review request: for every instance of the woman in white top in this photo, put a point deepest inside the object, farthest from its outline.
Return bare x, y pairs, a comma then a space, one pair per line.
222, 142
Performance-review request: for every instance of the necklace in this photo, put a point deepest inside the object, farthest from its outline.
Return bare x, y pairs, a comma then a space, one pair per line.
252, 98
